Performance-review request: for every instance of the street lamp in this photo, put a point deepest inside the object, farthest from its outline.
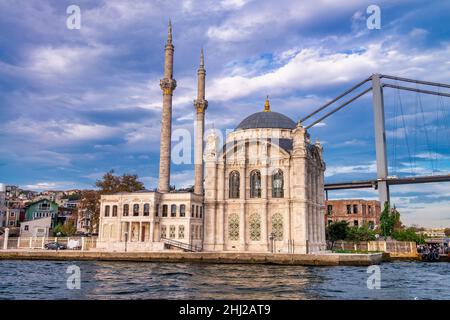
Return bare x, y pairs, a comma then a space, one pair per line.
272, 242
126, 240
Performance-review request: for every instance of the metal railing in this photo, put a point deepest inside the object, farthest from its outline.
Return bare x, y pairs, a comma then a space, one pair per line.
181, 245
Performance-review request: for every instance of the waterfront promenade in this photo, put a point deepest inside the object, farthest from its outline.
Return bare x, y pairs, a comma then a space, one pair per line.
322, 259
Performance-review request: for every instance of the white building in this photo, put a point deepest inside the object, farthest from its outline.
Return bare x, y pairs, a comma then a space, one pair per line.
36, 228
262, 191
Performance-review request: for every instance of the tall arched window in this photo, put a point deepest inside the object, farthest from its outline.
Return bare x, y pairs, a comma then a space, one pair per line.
255, 227
106, 211
114, 211
233, 227
277, 184
182, 210
135, 210
173, 210
255, 184
146, 209
277, 226
234, 184
126, 207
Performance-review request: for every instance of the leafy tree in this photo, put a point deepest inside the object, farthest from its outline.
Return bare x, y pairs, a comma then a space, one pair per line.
111, 183
90, 204
408, 234
64, 230
447, 232
358, 234
336, 231
57, 230
389, 220
69, 228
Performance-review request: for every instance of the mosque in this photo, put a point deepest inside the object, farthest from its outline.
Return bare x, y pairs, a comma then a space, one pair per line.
260, 191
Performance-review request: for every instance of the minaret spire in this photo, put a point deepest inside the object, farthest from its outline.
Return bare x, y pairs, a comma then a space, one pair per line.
200, 105
168, 84
202, 60
169, 33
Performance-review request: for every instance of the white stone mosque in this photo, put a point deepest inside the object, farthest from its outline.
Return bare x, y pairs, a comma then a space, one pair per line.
262, 191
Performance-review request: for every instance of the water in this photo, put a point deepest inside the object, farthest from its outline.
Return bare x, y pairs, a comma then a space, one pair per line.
132, 280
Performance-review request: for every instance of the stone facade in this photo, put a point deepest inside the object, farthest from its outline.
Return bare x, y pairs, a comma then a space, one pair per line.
260, 192
287, 221
356, 212
142, 219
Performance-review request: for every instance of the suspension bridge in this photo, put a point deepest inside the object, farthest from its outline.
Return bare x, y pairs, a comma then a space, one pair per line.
377, 84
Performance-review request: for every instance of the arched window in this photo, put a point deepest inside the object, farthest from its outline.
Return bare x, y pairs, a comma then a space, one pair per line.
277, 226
164, 213
182, 210
126, 208
255, 227
255, 184
234, 185
146, 209
277, 184
135, 210
173, 210
106, 211
114, 212
233, 227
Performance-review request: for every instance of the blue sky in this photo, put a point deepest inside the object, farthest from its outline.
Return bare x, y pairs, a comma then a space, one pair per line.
76, 103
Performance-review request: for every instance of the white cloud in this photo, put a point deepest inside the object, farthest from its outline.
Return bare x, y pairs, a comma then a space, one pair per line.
265, 17
54, 185
352, 169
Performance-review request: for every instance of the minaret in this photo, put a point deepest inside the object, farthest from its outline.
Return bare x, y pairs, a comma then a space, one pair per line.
200, 105
168, 84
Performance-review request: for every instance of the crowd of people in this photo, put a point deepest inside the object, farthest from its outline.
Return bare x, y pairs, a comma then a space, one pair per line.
432, 251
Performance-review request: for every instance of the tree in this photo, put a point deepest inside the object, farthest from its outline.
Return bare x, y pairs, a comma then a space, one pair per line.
90, 205
358, 234
447, 232
113, 184
389, 220
408, 234
336, 231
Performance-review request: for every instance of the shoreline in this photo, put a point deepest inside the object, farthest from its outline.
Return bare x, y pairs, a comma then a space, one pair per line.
322, 259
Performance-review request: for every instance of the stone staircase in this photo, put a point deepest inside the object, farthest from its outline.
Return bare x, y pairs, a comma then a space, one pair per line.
181, 245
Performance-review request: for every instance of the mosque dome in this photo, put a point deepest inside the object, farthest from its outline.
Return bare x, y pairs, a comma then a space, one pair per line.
266, 119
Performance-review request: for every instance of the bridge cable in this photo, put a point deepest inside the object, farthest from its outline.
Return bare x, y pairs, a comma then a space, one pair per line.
426, 132
404, 128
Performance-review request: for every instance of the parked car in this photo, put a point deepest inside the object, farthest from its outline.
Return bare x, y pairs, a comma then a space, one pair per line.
55, 246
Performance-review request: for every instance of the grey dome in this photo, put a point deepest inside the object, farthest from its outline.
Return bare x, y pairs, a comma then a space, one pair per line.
267, 120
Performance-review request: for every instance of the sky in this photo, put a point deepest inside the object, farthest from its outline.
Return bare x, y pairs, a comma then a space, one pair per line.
75, 103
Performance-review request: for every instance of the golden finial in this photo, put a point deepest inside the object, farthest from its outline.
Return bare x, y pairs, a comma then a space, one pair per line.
267, 105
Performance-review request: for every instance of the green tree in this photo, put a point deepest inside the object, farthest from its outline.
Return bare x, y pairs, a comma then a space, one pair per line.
408, 234
389, 221
57, 230
358, 234
64, 230
336, 231
447, 232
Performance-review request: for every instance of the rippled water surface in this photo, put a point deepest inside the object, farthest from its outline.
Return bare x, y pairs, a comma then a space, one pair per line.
129, 280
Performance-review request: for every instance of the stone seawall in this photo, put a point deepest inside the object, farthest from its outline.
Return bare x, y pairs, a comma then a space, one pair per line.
326, 259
